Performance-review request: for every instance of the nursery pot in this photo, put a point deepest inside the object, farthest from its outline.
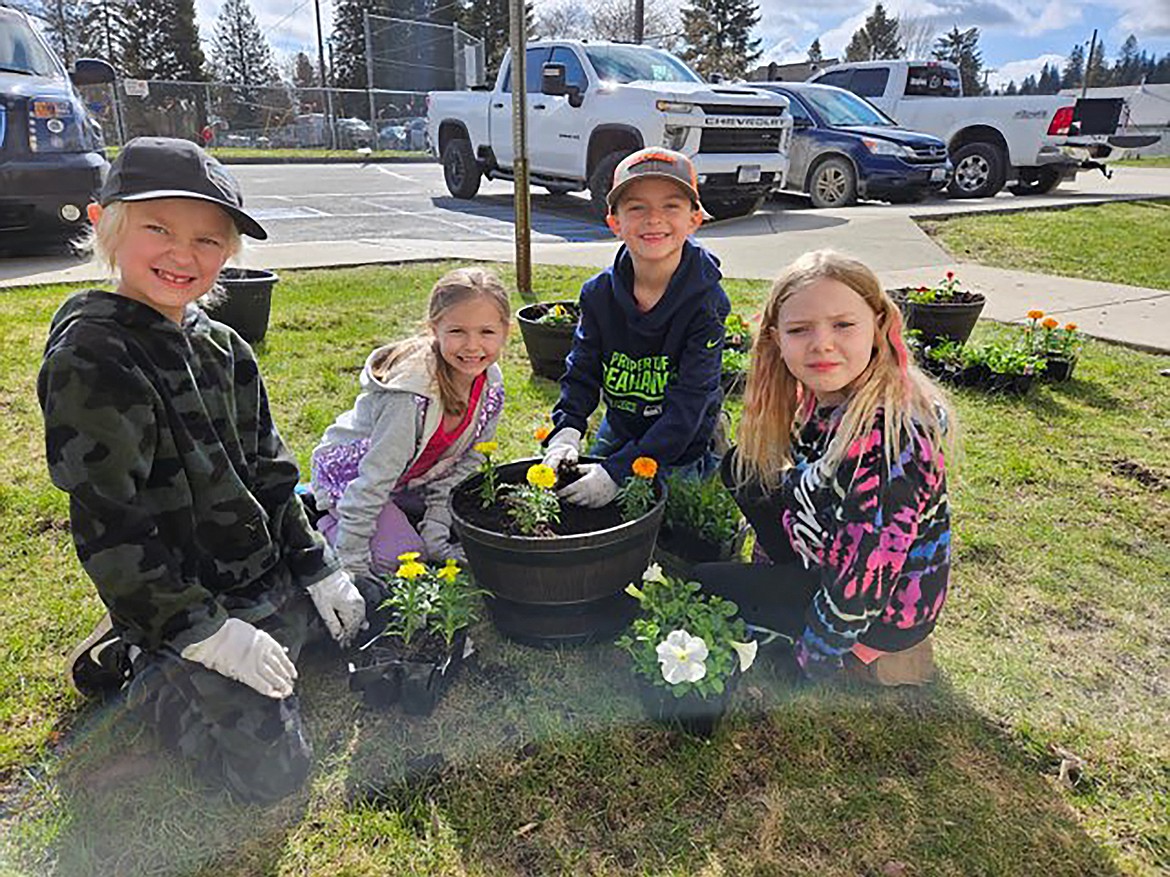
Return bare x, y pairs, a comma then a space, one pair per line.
691, 714
558, 590
1057, 369
247, 301
547, 346
384, 678
939, 321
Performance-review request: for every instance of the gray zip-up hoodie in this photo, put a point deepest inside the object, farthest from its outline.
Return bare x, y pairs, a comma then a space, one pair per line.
360, 461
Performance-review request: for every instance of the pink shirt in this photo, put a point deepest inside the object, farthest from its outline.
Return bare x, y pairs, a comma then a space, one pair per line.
441, 440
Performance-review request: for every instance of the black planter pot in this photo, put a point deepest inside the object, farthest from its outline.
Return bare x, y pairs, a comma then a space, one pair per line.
693, 547
733, 382
247, 302
691, 714
1057, 369
547, 346
1011, 385
560, 590
384, 678
940, 321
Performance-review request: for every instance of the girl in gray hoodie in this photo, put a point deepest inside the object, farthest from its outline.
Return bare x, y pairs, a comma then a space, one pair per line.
384, 470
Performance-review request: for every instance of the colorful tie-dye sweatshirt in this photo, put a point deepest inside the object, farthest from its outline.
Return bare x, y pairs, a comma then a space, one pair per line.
880, 536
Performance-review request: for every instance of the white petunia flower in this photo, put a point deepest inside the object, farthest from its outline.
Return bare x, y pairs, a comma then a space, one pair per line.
746, 652
682, 657
654, 574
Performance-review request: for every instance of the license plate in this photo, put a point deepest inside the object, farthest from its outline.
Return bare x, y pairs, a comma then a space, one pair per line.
748, 173
938, 173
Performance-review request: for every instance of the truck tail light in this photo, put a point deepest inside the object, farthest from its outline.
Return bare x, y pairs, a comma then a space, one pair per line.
1061, 122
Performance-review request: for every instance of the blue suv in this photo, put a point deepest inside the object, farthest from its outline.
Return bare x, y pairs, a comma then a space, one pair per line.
52, 159
844, 148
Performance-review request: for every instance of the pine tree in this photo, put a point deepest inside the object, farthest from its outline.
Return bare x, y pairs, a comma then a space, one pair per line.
1097, 68
239, 50
962, 49
490, 20
1049, 82
304, 73
718, 34
1074, 68
815, 56
876, 40
165, 42
63, 23
1011, 89
1128, 69
1029, 86
105, 31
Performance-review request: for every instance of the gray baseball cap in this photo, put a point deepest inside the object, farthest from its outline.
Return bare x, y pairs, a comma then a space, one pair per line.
654, 161
148, 168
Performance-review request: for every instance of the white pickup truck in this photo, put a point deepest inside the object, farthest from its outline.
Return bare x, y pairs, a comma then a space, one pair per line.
590, 104
1031, 142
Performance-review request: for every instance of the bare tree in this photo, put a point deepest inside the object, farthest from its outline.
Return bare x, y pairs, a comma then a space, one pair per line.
612, 20
564, 21
917, 34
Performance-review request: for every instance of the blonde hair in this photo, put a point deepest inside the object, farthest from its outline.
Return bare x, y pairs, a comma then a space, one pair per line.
453, 288
104, 238
776, 405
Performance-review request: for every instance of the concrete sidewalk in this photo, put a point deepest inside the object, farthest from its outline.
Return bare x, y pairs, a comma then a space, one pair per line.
756, 247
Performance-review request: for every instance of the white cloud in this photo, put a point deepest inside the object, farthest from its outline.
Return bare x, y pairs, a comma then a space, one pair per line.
1056, 15
1142, 18
287, 31
1018, 71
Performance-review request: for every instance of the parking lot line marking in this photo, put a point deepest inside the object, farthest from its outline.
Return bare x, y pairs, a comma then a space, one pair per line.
391, 173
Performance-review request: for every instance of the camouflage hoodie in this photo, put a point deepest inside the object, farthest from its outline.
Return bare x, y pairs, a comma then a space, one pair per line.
181, 492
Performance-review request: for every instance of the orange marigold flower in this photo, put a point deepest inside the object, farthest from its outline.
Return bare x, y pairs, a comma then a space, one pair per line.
542, 433
1070, 327
1050, 323
645, 467
1035, 314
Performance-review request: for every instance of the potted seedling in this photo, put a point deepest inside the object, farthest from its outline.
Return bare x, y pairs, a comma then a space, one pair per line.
547, 329
737, 333
1058, 346
702, 524
733, 372
687, 650
940, 312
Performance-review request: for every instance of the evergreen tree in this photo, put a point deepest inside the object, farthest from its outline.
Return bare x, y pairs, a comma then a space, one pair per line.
1074, 68
876, 40
1097, 68
1161, 72
962, 49
240, 53
62, 22
1029, 85
718, 34
490, 20
163, 42
1128, 69
815, 56
1011, 88
105, 31
304, 73
1049, 82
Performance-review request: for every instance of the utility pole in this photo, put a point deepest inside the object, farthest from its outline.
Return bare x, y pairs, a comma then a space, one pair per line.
370, 74
324, 82
522, 201
639, 20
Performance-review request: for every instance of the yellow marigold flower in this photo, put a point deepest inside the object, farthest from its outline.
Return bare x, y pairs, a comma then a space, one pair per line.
645, 467
449, 572
487, 447
541, 476
412, 569
409, 556
1035, 314
1050, 323
542, 433
1070, 327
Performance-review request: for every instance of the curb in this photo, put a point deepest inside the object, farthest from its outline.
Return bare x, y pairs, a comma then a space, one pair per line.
329, 159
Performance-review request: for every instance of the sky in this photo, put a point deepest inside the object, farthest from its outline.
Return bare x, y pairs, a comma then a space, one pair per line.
1017, 37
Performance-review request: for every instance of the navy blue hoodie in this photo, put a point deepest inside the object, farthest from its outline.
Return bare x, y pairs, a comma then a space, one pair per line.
657, 371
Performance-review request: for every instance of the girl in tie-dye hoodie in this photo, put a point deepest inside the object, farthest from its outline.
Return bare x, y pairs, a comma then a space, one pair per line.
840, 469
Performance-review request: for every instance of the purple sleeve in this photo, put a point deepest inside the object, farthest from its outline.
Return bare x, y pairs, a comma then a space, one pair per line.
878, 523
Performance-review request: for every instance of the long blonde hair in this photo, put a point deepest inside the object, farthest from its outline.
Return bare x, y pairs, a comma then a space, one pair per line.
453, 288
776, 405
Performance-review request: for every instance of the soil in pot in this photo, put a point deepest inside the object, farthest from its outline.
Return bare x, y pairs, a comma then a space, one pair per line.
387, 671
951, 320
546, 345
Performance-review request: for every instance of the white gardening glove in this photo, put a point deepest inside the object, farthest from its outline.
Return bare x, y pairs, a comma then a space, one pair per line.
593, 489
246, 654
563, 448
437, 542
340, 605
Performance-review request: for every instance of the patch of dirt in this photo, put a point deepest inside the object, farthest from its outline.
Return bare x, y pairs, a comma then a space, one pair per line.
119, 770
45, 525
1135, 471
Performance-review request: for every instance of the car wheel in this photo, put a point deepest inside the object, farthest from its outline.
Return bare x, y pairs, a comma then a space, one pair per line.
460, 169
833, 183
1041, 183
558, 191
979, 171
601, 181
732, 207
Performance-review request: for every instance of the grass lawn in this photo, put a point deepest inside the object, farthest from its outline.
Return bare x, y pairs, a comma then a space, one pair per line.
1053, 642
1124, 242
1146, 161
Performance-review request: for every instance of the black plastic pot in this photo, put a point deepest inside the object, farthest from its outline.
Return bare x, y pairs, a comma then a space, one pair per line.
384, 678
247, 301
1057, 369
547, 346
559, 590
691, 714
940, 321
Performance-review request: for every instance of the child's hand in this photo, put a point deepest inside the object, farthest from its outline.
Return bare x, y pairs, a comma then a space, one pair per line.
563, 449
246, 654
593, 489
340, 605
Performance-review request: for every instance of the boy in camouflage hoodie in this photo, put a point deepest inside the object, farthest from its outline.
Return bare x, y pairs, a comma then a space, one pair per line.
181, 491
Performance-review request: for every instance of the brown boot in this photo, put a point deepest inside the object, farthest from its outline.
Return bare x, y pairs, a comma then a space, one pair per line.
100, 664
912, 666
